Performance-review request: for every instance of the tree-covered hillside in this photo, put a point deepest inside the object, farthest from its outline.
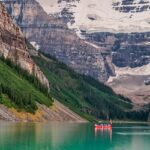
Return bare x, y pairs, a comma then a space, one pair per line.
84, 95
19, 89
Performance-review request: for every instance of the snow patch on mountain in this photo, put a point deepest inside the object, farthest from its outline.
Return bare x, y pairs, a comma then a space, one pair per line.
35, 45
143, 70
100, 16
52, 6
138, 71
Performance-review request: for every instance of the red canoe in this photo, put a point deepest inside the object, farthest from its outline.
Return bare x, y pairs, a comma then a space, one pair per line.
101, 126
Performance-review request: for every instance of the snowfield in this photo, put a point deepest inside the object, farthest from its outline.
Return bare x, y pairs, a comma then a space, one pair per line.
100, 16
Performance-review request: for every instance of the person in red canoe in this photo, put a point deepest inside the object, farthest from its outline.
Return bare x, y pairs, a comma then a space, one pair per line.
110, 121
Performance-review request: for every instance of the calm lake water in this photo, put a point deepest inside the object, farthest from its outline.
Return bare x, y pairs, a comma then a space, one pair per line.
70, 136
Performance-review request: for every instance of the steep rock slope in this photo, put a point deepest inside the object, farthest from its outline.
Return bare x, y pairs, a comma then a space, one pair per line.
123, 49
53, 36
128, 50
132, 6
13, 46
57, 112
121, 26
131, 82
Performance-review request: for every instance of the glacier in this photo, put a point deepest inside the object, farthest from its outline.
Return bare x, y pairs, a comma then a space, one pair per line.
101, 15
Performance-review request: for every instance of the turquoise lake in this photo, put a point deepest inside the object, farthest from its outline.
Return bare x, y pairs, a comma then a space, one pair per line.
73, 136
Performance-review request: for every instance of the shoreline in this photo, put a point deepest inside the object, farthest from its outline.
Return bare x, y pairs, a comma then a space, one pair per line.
75, 122
131, 122
127, 122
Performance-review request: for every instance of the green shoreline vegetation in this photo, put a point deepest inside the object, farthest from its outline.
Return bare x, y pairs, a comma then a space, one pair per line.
21, 90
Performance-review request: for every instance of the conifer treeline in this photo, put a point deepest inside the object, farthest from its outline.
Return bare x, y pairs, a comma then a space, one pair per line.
30, 77
79, 90
21, 100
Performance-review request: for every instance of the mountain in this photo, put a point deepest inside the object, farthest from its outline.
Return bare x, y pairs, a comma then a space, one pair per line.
64, 15
52, 35
121, 27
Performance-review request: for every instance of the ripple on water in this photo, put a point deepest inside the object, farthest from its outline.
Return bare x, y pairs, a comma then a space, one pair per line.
133, 133
133, 127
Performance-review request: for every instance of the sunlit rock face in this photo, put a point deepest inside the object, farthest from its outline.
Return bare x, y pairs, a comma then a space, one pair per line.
13, 46
52, 34
129, 50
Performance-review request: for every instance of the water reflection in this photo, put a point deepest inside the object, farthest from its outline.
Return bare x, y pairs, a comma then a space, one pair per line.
38, 136
70, 136
16, 136
104, 133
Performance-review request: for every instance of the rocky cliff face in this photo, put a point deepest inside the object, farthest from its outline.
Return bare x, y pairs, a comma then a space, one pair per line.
51, 33
127, 49
132, 6
131, 56
120, 26
13, 46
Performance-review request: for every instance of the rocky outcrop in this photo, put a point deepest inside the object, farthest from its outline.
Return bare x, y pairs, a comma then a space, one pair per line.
51, 33
133, 6
13, 46
127, 49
